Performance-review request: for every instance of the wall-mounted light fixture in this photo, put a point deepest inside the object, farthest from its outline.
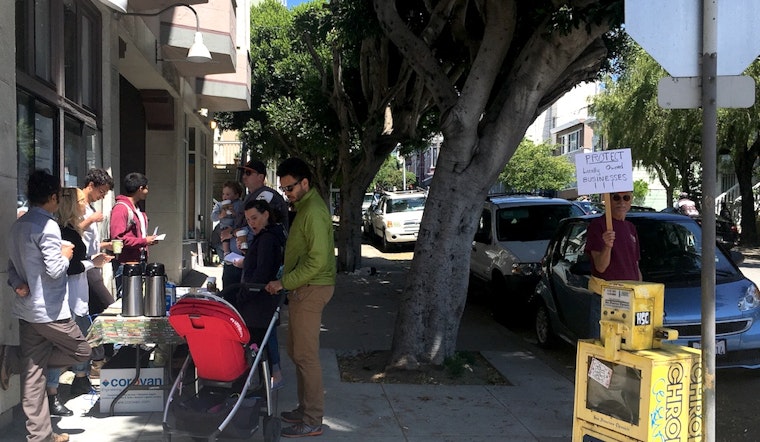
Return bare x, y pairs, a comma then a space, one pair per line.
198, 52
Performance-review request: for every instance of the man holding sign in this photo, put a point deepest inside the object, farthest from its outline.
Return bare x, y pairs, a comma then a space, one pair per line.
612, 241
614, 252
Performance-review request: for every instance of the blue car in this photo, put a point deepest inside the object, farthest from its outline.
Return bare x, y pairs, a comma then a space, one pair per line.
671, 247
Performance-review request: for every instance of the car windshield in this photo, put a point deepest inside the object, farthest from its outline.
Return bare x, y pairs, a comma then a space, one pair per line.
532, 222
671, 251
405, 205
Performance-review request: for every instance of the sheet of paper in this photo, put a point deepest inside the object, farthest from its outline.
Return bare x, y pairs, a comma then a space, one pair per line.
161, 237
232, 257
155, 231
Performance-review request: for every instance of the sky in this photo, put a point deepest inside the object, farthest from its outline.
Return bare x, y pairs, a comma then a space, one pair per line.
292, 3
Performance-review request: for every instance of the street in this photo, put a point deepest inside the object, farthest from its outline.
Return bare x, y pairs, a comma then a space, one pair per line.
737, 400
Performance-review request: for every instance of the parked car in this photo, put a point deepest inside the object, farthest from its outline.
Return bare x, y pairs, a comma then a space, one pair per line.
726, 232
671, 247
397, 215
589, 207
512, 235
369, 198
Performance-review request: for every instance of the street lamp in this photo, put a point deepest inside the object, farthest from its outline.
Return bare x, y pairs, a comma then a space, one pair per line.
198, 52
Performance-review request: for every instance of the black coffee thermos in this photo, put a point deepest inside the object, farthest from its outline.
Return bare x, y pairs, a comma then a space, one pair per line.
155, 287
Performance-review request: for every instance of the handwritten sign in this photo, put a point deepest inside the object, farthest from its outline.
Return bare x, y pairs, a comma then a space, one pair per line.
605, 171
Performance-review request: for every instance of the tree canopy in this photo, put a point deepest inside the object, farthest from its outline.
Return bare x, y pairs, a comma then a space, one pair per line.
391, 176
535, 167
664, 141
669, 141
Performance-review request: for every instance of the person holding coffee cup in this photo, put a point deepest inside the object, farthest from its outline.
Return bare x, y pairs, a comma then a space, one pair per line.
225, 213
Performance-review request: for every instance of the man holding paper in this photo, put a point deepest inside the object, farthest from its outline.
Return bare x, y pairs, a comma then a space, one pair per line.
614, 252
130, 224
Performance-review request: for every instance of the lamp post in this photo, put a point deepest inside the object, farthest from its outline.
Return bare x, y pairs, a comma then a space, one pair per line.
198, 52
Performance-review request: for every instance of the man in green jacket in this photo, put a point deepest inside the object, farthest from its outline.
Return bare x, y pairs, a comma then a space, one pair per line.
309, 276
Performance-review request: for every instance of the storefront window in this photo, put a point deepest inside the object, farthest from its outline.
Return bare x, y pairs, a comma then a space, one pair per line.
57, 65
35, 139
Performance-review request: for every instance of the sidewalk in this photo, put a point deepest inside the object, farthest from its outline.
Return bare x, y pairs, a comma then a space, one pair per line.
537, 406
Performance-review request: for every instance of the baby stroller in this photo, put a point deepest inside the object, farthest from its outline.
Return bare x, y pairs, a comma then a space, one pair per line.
233, 386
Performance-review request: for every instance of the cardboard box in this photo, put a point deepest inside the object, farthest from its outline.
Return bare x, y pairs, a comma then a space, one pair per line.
114, 380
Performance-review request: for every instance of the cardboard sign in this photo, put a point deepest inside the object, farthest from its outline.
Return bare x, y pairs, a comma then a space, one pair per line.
606, 171
114, 380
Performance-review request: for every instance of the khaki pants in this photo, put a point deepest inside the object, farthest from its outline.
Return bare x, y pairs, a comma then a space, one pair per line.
43, 346
305, 305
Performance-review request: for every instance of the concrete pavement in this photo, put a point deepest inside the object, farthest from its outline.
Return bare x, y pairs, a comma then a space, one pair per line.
537, 406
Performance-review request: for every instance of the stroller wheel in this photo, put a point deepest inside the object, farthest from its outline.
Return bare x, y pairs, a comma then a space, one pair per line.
272, 429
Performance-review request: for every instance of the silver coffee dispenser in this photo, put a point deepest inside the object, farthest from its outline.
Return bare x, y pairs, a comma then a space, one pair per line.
155, 286
132, 286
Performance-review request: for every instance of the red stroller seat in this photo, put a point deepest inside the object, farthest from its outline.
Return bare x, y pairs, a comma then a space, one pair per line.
216, 336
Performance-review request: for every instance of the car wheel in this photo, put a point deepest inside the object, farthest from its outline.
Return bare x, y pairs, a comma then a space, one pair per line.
386, 244
543, 327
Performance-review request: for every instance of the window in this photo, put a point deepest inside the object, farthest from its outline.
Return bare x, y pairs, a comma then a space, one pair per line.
57, 67
569, 142
573, 141
35, 138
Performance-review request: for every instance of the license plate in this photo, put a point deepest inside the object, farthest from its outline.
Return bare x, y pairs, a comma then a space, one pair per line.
720, 346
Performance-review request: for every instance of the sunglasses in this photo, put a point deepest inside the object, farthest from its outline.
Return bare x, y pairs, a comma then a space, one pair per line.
617, 197
290, 187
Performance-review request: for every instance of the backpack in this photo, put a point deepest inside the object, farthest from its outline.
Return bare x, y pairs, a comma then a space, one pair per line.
130, 220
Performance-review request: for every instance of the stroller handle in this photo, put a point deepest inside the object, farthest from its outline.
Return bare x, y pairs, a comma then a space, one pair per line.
232, 290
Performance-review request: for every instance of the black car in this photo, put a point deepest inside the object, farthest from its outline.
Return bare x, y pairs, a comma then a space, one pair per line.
726, 232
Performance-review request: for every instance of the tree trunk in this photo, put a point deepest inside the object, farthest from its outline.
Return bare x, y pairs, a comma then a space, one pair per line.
744, 168
439, 274
349, 235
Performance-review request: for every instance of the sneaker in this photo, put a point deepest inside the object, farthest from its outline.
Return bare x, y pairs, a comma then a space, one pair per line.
81, 385
63, 437
292, 417
301, 430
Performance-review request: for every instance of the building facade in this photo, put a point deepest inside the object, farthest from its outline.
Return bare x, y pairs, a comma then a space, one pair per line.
85, 86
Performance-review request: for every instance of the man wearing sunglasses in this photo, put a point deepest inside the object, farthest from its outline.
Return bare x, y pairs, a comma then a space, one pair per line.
254, 174
614, 253
309, 275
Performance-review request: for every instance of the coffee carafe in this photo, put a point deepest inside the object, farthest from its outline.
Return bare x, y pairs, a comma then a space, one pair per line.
155, 285
132, 286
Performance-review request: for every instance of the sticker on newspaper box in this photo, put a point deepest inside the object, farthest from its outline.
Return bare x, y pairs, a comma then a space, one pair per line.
600, 372
616, 298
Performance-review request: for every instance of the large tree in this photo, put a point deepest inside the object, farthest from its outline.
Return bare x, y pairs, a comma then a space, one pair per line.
491, 66
329, 87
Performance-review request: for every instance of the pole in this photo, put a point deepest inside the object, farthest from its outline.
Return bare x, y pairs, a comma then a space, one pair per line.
709, 178
607, 210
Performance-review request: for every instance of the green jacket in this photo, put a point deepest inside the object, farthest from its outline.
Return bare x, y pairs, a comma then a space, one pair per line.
310, 249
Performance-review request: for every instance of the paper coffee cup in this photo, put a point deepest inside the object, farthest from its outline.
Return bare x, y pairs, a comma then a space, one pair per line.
67, 243
242, 234
117, 245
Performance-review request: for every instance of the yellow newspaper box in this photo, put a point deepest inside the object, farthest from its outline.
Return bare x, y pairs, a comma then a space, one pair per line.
642, 395
632, 310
